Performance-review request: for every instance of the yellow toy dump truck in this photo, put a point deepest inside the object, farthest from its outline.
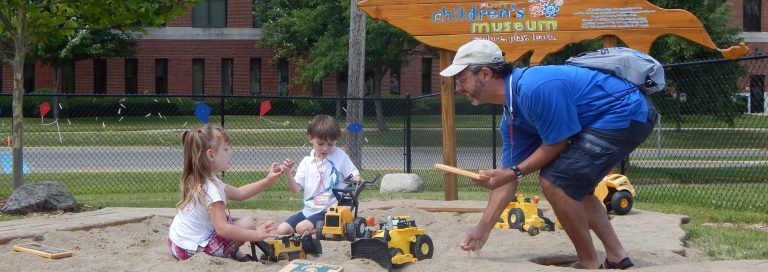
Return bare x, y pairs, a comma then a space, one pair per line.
617, 193
287, 248
524, 215
341, 220
397, 242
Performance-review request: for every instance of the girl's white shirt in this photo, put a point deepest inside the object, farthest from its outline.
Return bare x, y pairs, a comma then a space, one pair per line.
308, 177
192, 227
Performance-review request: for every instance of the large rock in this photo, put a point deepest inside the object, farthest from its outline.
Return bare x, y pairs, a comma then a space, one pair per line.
40, 197
401, 183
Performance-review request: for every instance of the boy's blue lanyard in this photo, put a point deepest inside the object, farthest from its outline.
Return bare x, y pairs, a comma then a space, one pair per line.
333, 176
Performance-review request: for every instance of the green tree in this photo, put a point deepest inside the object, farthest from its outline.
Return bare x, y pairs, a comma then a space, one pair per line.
314, 34
24, 24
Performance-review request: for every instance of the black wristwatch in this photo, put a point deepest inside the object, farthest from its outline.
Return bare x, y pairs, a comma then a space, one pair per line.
518, 172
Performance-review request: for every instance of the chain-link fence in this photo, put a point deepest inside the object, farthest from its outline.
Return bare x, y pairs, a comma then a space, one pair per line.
709, 147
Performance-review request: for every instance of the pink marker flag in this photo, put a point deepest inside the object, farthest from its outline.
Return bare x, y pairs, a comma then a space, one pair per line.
265, 107
45, 107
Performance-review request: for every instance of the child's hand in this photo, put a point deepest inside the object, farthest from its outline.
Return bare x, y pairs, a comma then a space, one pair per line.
265, 230
287, 166
274, 171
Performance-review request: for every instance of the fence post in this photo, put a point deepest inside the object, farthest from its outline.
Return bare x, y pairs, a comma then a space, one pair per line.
408, 133
493, 136
221, 109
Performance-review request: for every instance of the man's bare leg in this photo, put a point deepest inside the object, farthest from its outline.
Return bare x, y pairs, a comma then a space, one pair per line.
573, 218
599, 223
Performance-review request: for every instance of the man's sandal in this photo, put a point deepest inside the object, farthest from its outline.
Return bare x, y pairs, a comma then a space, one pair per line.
623, 264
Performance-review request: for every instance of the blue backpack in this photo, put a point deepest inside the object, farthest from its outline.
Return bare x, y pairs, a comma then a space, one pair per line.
629, 64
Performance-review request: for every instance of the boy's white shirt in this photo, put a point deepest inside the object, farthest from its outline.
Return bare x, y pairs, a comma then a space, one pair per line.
308, 177
192, 227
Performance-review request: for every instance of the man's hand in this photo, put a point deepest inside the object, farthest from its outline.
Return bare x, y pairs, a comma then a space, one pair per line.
475, 238
499, 177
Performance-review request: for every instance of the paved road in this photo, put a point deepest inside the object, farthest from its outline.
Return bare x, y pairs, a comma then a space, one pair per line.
169, 159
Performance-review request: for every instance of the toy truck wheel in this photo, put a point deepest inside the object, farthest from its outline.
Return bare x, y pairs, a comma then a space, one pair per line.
533, 231
350, 232
319, 230
423, 247
621, 202
516, 218
394, 252
546, 227
360, 227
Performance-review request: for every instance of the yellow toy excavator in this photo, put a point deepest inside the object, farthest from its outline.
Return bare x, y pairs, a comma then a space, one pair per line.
341, 220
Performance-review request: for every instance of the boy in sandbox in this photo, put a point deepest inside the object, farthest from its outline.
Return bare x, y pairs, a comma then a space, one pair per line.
317, 174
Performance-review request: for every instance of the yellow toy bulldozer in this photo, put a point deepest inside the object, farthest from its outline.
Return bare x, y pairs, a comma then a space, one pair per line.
617, 193
524, 215
396, 243
287, 248
341, 220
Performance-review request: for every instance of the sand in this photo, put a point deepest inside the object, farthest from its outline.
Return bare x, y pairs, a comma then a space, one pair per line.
655, 242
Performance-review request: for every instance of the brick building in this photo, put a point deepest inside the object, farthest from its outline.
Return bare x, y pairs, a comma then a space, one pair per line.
209, 50
212, 49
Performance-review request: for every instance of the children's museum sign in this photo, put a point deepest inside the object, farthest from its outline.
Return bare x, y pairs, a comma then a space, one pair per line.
541, 26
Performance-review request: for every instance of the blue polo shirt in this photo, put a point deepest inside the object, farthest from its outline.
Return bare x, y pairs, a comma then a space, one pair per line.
549, 104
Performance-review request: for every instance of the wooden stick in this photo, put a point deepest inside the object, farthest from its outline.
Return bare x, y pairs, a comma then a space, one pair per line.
458, 171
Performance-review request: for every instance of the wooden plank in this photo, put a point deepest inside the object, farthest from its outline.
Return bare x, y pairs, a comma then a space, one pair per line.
449, 126
307, 266
459, 171
43, 250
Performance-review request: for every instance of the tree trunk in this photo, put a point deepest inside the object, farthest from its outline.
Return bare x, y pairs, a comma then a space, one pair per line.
356, 79
20, 45
377, 77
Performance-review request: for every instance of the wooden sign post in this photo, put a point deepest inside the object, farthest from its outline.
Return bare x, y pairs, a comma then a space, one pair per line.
523, 26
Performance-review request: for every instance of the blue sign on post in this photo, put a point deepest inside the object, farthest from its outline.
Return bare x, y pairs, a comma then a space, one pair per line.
203, 112
7, 159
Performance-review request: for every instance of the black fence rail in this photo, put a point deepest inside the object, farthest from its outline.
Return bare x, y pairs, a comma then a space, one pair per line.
710, 146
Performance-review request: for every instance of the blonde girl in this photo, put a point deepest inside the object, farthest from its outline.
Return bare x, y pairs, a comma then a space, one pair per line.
203, 223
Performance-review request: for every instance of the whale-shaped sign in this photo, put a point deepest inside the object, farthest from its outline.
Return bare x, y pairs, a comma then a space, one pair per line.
541, 26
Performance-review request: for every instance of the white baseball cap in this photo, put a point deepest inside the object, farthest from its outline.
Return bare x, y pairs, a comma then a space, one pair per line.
474, 52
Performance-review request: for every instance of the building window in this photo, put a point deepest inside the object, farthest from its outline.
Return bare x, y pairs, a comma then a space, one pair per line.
226, 76
99, 76
426, 75
68, 77
752, 15
210, 13
394, 81
198, 77
255, 76
131, 76
756, 91
161, 76
29, 77
282, 75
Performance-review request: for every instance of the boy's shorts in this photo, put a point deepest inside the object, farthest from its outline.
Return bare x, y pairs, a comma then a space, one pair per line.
217, 246
592, 153
295, 219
